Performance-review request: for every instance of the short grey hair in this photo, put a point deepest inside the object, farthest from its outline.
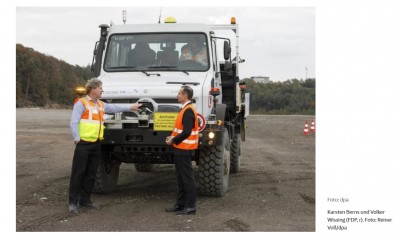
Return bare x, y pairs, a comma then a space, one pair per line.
92, 84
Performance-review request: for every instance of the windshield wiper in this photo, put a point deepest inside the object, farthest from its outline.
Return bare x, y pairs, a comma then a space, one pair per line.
148, 74
169, 67
131, 68
182, 83
123, 67
187, 73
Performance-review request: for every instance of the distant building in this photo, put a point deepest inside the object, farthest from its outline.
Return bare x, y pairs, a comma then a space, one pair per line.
260, 79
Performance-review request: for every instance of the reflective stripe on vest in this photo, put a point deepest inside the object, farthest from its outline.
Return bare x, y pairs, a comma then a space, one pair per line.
180, 131
91, 125
192, 141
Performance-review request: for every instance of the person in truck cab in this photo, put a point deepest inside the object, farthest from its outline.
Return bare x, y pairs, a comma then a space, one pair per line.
87, 127
194, 51
141, 55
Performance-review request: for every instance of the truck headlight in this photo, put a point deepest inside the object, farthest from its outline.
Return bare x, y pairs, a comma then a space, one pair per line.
211, 135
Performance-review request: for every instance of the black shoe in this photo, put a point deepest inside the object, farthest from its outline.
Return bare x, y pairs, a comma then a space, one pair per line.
174, 208
89, 205
72, 208
187, 211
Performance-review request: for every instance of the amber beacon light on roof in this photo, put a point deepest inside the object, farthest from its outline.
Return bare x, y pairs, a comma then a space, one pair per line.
170, 20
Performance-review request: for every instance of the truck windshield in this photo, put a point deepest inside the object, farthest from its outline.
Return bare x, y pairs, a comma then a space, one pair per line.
157, 52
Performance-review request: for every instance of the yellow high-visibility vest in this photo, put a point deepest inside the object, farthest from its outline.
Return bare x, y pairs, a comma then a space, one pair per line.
91, 125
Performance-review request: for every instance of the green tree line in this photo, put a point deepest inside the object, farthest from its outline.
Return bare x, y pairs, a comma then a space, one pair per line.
45, 81
289, 97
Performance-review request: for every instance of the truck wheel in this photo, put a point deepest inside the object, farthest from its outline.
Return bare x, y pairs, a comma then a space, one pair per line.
214, 165
107, 173
235, 154
144, 167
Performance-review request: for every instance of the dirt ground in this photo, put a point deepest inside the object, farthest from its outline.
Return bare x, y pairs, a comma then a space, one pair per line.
274, 191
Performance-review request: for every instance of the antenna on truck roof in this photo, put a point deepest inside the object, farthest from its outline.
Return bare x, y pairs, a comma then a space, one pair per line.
124, 16
159, 17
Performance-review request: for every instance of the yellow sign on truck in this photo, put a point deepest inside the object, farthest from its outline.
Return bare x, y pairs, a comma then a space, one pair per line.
164, 121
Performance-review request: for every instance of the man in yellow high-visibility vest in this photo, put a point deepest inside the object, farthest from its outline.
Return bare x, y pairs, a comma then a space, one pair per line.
87, 127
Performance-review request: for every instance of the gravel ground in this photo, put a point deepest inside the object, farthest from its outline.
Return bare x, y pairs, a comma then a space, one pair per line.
274, 190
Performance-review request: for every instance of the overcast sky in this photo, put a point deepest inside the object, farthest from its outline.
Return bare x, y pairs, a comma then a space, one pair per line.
277, 42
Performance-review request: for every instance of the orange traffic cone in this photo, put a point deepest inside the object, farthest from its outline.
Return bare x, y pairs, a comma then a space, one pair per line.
306, 128
312, 129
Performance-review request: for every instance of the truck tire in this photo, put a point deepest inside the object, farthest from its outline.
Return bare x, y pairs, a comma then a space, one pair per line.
214, 166
235, 154
107, 173
144, 167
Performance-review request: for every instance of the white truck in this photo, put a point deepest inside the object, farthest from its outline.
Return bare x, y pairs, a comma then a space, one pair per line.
141, 63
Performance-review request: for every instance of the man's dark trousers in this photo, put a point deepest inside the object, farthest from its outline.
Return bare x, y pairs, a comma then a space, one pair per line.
86, 159
185, 179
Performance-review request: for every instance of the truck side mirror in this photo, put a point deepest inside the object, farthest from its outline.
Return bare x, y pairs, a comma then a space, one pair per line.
227, 50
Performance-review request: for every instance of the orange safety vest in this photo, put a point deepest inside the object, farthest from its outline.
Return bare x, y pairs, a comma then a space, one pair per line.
91, 125
192, 141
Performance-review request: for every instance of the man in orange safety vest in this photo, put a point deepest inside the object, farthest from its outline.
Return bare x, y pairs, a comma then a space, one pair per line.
184, 140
